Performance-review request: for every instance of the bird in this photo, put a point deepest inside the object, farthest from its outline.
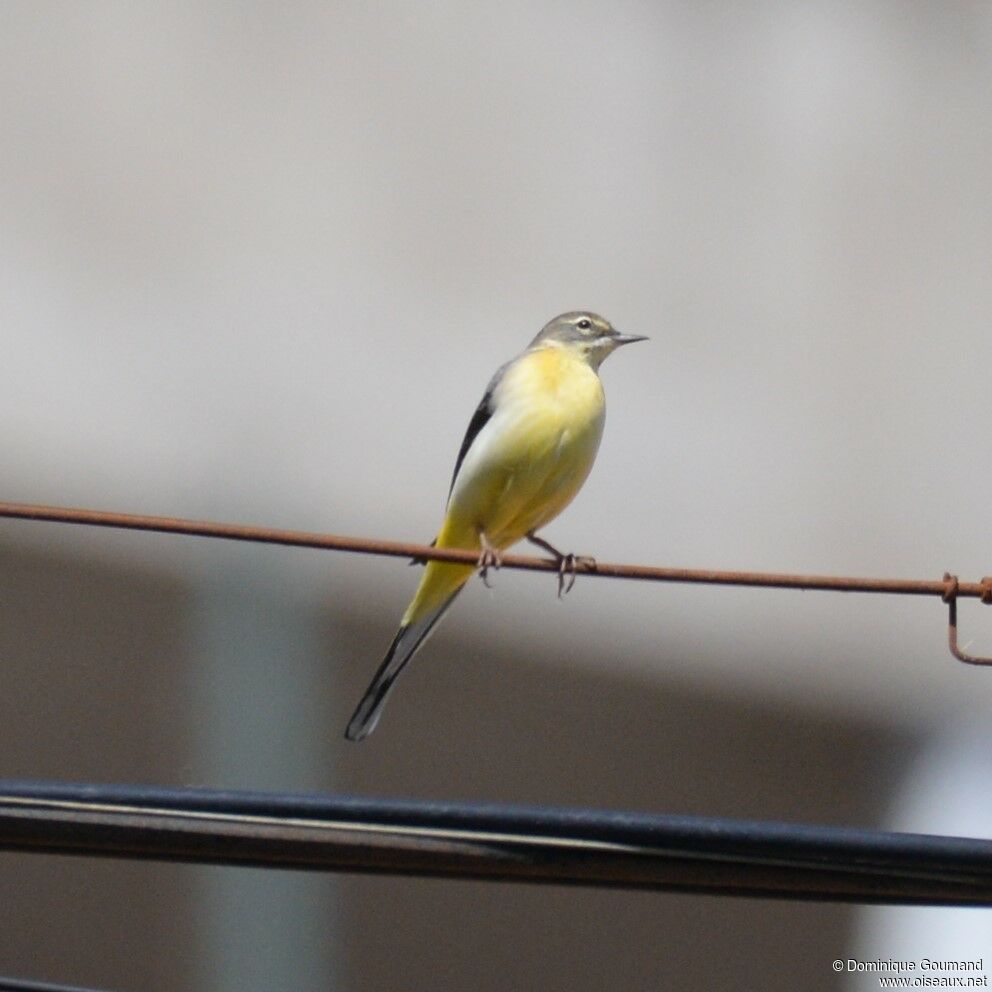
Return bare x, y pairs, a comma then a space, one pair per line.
529, 447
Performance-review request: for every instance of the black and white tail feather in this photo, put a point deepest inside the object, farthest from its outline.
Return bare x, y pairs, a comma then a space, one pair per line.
408, 641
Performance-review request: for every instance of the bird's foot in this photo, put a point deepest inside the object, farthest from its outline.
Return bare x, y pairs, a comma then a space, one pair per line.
490, 558
568, 567
568, 564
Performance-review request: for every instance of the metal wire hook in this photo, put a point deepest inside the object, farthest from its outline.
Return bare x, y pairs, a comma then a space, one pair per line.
950, 596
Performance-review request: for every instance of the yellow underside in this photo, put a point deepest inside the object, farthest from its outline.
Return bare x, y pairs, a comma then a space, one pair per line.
524, 468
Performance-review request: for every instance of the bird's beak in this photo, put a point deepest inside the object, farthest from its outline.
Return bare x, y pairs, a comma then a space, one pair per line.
628, 339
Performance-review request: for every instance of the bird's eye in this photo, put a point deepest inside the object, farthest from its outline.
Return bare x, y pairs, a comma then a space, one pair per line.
584, 324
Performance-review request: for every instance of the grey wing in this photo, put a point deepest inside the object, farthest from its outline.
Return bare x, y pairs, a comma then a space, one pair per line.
481, 417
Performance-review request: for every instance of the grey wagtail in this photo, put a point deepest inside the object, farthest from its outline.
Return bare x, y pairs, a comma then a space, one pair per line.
529, 447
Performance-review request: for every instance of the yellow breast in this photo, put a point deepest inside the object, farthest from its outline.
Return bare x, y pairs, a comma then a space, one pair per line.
559, 382
534, 454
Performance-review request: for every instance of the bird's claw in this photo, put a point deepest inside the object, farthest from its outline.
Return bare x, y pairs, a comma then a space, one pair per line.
490, 558
568, 565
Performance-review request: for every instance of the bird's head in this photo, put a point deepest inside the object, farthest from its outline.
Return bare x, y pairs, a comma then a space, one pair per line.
584, 333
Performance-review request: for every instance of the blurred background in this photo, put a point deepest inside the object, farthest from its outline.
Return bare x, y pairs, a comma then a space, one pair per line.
257, 265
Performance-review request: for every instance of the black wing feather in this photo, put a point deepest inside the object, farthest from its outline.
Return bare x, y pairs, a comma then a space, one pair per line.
483, 414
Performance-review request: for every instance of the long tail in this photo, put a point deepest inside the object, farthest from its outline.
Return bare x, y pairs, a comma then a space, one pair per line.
405, 645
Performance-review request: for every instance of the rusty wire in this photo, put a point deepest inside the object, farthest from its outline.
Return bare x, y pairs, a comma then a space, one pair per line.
948, 588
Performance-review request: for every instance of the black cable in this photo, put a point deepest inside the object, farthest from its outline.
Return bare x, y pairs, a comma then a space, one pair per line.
495, 842
23, 985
